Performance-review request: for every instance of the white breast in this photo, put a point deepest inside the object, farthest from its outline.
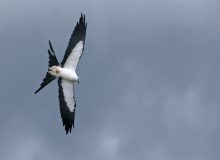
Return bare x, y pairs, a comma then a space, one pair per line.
68, 74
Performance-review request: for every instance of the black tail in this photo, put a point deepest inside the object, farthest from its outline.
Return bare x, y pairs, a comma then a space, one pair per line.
52, 62
52, 57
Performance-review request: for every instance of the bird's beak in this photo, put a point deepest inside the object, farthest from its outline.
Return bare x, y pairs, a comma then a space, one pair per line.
50, 72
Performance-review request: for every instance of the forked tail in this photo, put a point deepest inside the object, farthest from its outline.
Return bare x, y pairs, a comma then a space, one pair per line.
52, 62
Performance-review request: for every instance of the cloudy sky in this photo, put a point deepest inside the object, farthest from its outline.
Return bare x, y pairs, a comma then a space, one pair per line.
149, 80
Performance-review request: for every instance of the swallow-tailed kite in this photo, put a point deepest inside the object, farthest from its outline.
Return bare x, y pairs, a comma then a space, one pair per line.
66, 73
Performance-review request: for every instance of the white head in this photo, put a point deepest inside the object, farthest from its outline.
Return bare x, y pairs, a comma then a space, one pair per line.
55, 71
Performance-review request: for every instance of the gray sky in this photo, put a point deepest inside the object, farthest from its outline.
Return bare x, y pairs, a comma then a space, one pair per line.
149, 80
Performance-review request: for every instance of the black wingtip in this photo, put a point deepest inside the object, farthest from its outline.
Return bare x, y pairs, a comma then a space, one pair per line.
68, 126
68, 131
78, 34
83, 18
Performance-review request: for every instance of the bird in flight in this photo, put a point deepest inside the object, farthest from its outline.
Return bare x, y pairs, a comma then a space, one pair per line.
66, 73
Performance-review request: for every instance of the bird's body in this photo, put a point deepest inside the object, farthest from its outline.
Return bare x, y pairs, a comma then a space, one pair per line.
66, 73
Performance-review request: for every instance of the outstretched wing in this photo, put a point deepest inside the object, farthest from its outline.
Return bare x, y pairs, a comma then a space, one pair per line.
52, 61
67, 103
76, 45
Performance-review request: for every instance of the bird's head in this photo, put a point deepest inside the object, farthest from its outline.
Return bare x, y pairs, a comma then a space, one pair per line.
55, 71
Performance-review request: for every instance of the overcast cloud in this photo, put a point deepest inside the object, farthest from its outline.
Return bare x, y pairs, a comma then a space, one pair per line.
149, 80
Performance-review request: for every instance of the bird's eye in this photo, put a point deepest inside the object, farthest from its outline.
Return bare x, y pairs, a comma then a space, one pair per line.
57, 71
